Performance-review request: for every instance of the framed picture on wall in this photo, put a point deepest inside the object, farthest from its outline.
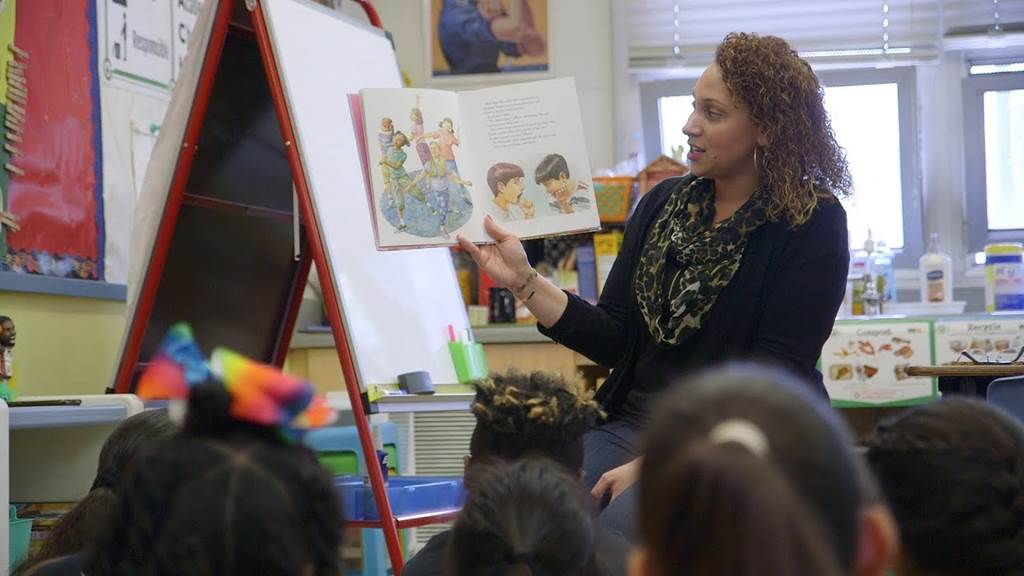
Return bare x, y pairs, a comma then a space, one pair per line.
466, 38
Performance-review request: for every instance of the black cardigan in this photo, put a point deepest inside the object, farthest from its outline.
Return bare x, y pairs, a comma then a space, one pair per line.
779, 307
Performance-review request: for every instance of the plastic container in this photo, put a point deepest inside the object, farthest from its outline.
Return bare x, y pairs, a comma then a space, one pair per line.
1004, 277
469, 360
936, 273
20, 536
408, 495
881, 265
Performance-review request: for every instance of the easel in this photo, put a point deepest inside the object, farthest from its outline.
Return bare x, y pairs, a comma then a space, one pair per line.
205, 198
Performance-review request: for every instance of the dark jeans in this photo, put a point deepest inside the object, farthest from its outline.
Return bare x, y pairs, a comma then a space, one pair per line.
605, 448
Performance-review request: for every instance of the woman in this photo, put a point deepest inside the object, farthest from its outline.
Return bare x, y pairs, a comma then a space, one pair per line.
746, 257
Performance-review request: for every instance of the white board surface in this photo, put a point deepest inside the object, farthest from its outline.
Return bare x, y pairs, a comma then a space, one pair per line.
397, 305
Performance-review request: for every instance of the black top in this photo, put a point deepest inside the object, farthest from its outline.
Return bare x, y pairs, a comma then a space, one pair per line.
73, 565
779, 308
611, 552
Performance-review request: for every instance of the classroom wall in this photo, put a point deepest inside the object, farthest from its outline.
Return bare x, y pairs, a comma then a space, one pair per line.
65, 345
580, 44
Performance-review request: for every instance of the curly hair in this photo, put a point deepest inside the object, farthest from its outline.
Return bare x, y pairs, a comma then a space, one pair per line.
536, 414
802, 164
953, 473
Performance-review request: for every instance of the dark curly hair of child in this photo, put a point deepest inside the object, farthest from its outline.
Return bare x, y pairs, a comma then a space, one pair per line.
953, 473
520, 414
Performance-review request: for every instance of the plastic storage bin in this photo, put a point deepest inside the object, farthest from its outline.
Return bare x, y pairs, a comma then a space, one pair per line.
408, 495
20, 535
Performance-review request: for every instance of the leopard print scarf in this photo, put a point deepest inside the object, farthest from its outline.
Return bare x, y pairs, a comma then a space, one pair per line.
707, 256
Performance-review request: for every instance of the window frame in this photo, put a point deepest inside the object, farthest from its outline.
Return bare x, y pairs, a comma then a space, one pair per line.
905, 79
975, 176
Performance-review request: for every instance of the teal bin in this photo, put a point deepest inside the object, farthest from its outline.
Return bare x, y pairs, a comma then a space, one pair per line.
21, 534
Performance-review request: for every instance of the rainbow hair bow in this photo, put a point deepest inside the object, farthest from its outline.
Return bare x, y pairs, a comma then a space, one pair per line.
260, 394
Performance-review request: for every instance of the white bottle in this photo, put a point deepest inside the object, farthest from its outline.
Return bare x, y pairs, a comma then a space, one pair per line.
936, 271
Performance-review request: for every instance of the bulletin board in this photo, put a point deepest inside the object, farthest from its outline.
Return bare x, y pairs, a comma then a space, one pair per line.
98, 76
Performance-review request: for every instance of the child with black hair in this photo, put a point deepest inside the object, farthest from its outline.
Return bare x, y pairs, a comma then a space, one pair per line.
527, 517
746, 473
70, 542
953, 473
231, 494
553, 174
528, 415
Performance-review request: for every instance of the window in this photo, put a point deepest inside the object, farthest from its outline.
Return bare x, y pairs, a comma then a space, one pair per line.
873, 120
994, 154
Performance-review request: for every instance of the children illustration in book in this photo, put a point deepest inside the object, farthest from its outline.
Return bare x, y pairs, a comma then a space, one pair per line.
566, 194
489, 135
397, 178
447, 138
442, 185
386, 139
506, 182
419, 137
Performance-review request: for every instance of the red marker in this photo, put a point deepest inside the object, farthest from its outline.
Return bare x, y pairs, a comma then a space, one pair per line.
451, 333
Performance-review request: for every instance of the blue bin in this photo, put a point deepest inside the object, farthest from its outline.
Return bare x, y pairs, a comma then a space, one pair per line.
408, 495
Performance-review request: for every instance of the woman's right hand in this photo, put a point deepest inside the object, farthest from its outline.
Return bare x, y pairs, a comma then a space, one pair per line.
505, 261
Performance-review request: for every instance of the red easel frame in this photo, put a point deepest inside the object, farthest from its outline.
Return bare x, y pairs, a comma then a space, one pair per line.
228, 13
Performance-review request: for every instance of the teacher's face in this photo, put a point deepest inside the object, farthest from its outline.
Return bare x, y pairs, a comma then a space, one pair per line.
720, 134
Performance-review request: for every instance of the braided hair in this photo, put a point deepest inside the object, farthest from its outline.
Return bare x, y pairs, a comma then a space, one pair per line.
224, 497
530, 517
520, 414
953, 472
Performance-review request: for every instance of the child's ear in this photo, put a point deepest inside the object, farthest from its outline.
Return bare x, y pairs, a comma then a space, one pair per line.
640, 563
562, 176
467, 461
501, 188
878, 542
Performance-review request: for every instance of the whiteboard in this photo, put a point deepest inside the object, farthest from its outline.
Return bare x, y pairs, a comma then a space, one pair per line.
398, 304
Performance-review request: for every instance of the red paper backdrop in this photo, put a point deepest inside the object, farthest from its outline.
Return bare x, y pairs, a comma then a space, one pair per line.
58, 201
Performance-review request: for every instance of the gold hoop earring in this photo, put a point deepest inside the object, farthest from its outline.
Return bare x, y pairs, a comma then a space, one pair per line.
756, 165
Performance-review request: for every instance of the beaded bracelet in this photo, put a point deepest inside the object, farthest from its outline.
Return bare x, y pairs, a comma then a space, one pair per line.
529, 278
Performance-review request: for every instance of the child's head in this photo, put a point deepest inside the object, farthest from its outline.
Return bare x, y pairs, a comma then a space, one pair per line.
745, 472
534, 414
400, 140
77, 530
953, 472
224, 497
525, 517
552, 173
506, 181
386, 125
416, 115
447, 124
231, 493
435, 149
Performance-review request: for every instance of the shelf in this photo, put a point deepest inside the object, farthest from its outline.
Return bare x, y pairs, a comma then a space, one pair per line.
411, 521
35, 417
425, 403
